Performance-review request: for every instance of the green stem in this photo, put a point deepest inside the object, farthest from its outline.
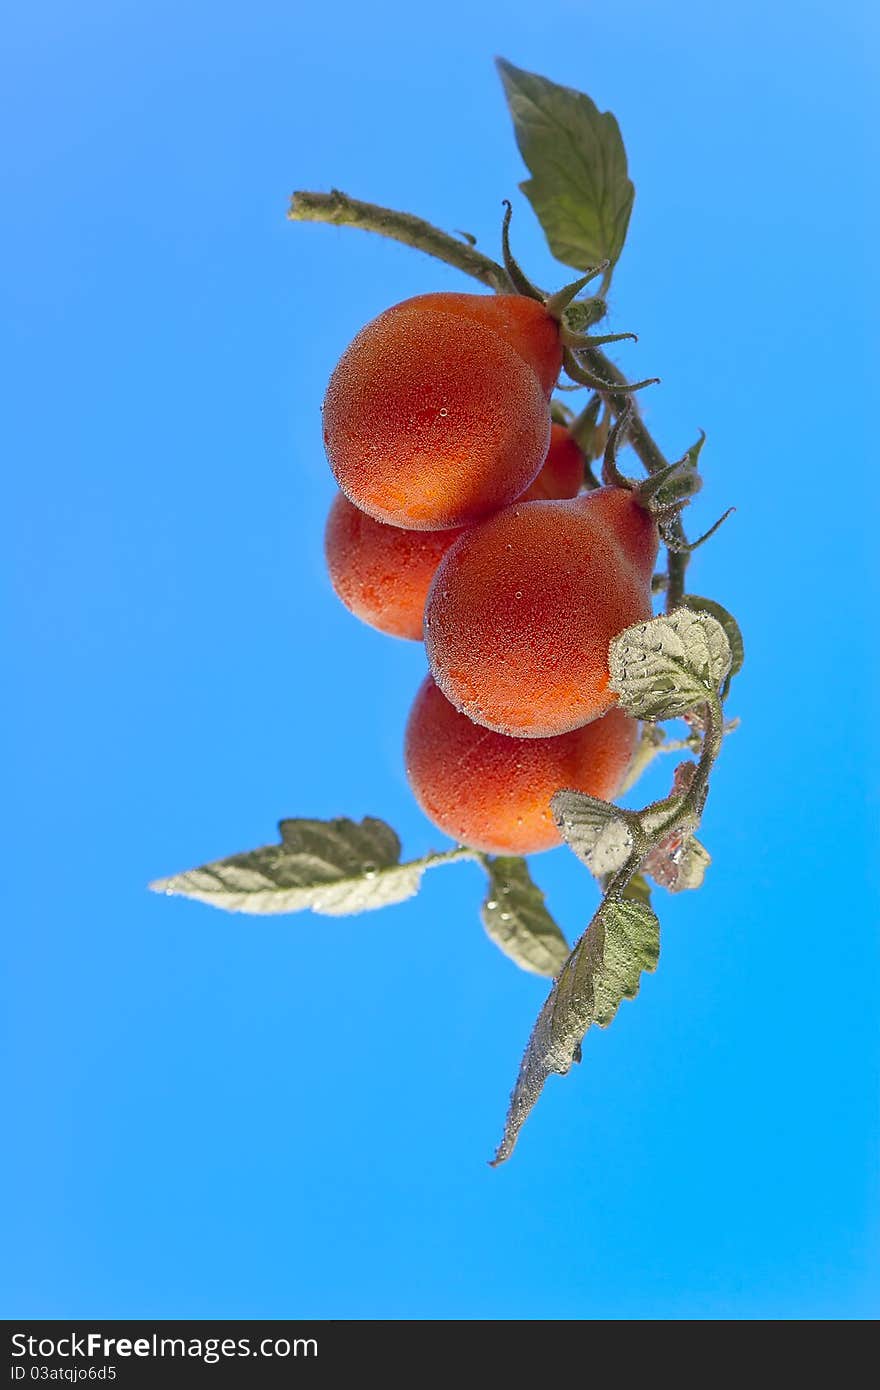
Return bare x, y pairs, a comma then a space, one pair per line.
686, 816
342, 211
644, 445
676, 565
653, 458
713, 737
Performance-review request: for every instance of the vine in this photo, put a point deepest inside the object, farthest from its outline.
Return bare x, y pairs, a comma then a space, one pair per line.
675, 666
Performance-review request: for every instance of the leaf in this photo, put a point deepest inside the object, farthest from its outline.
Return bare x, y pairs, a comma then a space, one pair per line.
604, 968
579, 188
678, 863
654, 818
669, 665
334, 867
516, 919
596, 830
731, 628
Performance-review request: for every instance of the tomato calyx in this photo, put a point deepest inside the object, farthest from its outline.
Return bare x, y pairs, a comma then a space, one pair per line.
666, 492
557, 304
583, 377
515, 273
573, 315
590, 435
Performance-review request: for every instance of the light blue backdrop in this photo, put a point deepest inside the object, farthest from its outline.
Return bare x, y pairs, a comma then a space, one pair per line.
225, 1117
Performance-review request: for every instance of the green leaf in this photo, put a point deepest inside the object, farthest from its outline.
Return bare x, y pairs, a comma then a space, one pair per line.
679, 863
579, 188
669, 665
731, 628
597, 831
653, 818
334, 867
604, 968
517, 920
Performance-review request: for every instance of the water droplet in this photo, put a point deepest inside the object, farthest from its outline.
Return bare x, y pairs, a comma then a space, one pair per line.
443, 413
518, 593
505, 916
491, 904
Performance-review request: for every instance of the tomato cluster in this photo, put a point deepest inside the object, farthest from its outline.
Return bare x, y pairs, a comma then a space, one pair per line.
461, 519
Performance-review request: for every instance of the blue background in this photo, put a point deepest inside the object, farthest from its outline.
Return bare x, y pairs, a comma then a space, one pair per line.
221, 1116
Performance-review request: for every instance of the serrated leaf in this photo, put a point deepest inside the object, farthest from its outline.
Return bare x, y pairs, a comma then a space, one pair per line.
658, 814
596, 830
604, 968
669, 665
678, 863
517, 920
731, 628
334, 867
579, 189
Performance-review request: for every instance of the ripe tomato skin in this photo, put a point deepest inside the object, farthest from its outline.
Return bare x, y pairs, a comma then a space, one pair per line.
522, 322
382, 573
563, 471
522, 609
432, 420
493, 792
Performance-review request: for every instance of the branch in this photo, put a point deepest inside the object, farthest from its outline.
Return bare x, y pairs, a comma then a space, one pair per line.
643, 443
686, 816
676, 564
342, 211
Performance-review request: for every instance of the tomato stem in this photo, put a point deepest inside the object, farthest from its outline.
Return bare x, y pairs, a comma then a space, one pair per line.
340, 210
684, 812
